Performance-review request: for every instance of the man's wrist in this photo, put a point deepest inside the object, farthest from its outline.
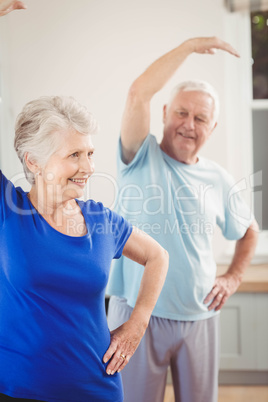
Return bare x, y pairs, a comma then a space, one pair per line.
188, 47
234, 274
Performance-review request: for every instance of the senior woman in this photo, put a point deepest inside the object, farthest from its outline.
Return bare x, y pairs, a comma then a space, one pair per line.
55, 257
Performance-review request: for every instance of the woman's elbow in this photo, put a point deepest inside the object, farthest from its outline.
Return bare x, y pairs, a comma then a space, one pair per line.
164, 258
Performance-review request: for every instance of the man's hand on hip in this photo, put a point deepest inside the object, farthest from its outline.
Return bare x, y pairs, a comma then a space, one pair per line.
224, 287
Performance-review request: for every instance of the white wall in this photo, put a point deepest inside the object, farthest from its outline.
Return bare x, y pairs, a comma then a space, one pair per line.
94, 49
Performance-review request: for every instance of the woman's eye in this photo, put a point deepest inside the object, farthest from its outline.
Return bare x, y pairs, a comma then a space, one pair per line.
90, 154
74, 155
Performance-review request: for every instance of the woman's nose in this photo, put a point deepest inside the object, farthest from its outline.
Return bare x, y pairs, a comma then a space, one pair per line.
87, 165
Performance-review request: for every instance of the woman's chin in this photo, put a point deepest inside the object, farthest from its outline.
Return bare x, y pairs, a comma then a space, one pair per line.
72, 193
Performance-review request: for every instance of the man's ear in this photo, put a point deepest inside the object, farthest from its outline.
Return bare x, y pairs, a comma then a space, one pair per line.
164, 113
31, 164
213, 128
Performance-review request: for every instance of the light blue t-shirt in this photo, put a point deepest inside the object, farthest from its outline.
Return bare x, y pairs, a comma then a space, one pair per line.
179, 205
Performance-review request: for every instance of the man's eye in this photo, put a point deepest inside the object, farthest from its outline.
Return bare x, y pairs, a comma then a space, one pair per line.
74, 155
90, 154
181, 114
199, 119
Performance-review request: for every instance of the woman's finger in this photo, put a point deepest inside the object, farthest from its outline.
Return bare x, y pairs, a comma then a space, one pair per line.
110, 351
8, 6
125, 362
118, 360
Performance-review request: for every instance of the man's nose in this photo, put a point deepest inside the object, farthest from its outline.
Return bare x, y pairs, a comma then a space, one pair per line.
189, 123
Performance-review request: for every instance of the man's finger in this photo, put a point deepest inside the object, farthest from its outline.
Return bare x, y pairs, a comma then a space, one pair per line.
216, 302
223, 301
212, 294
231, 50
220, 44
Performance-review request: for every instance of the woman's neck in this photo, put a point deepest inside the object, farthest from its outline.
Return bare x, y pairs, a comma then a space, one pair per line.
49, 206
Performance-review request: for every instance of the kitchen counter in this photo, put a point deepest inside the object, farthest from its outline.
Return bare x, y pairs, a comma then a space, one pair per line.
255, 279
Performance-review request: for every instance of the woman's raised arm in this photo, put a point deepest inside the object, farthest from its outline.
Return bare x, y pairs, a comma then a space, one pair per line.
6, 6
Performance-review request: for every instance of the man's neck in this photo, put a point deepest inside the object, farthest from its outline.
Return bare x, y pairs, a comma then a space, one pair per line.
180, 156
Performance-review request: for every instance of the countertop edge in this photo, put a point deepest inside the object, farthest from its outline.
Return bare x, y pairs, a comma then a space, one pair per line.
255, 279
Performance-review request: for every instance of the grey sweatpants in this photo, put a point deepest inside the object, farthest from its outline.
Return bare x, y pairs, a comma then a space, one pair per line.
190, 348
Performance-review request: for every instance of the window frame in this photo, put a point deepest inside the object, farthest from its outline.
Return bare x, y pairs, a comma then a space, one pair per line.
239, 116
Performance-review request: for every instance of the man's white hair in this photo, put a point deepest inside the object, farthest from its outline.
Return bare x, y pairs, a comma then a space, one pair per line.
200, 86
40, 128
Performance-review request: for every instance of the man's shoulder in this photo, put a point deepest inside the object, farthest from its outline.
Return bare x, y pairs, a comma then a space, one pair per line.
148, 147
150, 141
210, 164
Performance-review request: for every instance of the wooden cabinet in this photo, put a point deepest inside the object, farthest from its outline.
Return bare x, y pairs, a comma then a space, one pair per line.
244, 332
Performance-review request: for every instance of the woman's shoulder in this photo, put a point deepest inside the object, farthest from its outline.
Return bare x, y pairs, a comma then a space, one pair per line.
93, 209
12, 198
91, 205
10, 187
97, 211
3, 177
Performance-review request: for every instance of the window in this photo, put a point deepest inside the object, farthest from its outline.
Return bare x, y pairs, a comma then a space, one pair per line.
259, 46
259, 107
247, 116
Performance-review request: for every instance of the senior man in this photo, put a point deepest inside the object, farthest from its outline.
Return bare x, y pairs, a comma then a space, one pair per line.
178, 197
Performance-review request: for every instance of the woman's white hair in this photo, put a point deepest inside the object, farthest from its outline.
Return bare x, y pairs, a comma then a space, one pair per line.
200, 86
40, 127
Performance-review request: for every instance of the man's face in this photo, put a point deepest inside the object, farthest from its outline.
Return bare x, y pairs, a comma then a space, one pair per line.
188, 123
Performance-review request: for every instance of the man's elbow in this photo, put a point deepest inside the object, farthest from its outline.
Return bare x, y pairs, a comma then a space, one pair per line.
254, 226
138, 93
253, 230
251, 236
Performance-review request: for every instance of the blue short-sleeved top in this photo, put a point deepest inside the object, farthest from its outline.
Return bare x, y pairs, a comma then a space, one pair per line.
179, 205
53, 328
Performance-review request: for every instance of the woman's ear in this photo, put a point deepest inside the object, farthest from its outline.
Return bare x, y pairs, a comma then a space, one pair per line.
31, 164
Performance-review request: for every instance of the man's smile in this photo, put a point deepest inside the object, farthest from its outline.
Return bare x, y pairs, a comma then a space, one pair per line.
185, 135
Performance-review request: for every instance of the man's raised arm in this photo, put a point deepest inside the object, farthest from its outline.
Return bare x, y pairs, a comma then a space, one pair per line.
136, 118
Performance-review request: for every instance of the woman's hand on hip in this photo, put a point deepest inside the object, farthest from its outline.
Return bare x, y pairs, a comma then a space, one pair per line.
124, 341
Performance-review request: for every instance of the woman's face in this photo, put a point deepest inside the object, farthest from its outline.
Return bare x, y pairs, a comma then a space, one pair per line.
66, 173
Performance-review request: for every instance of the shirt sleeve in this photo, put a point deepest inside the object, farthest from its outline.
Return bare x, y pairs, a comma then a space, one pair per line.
237, 214
6, 197
121, 229
139, 158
